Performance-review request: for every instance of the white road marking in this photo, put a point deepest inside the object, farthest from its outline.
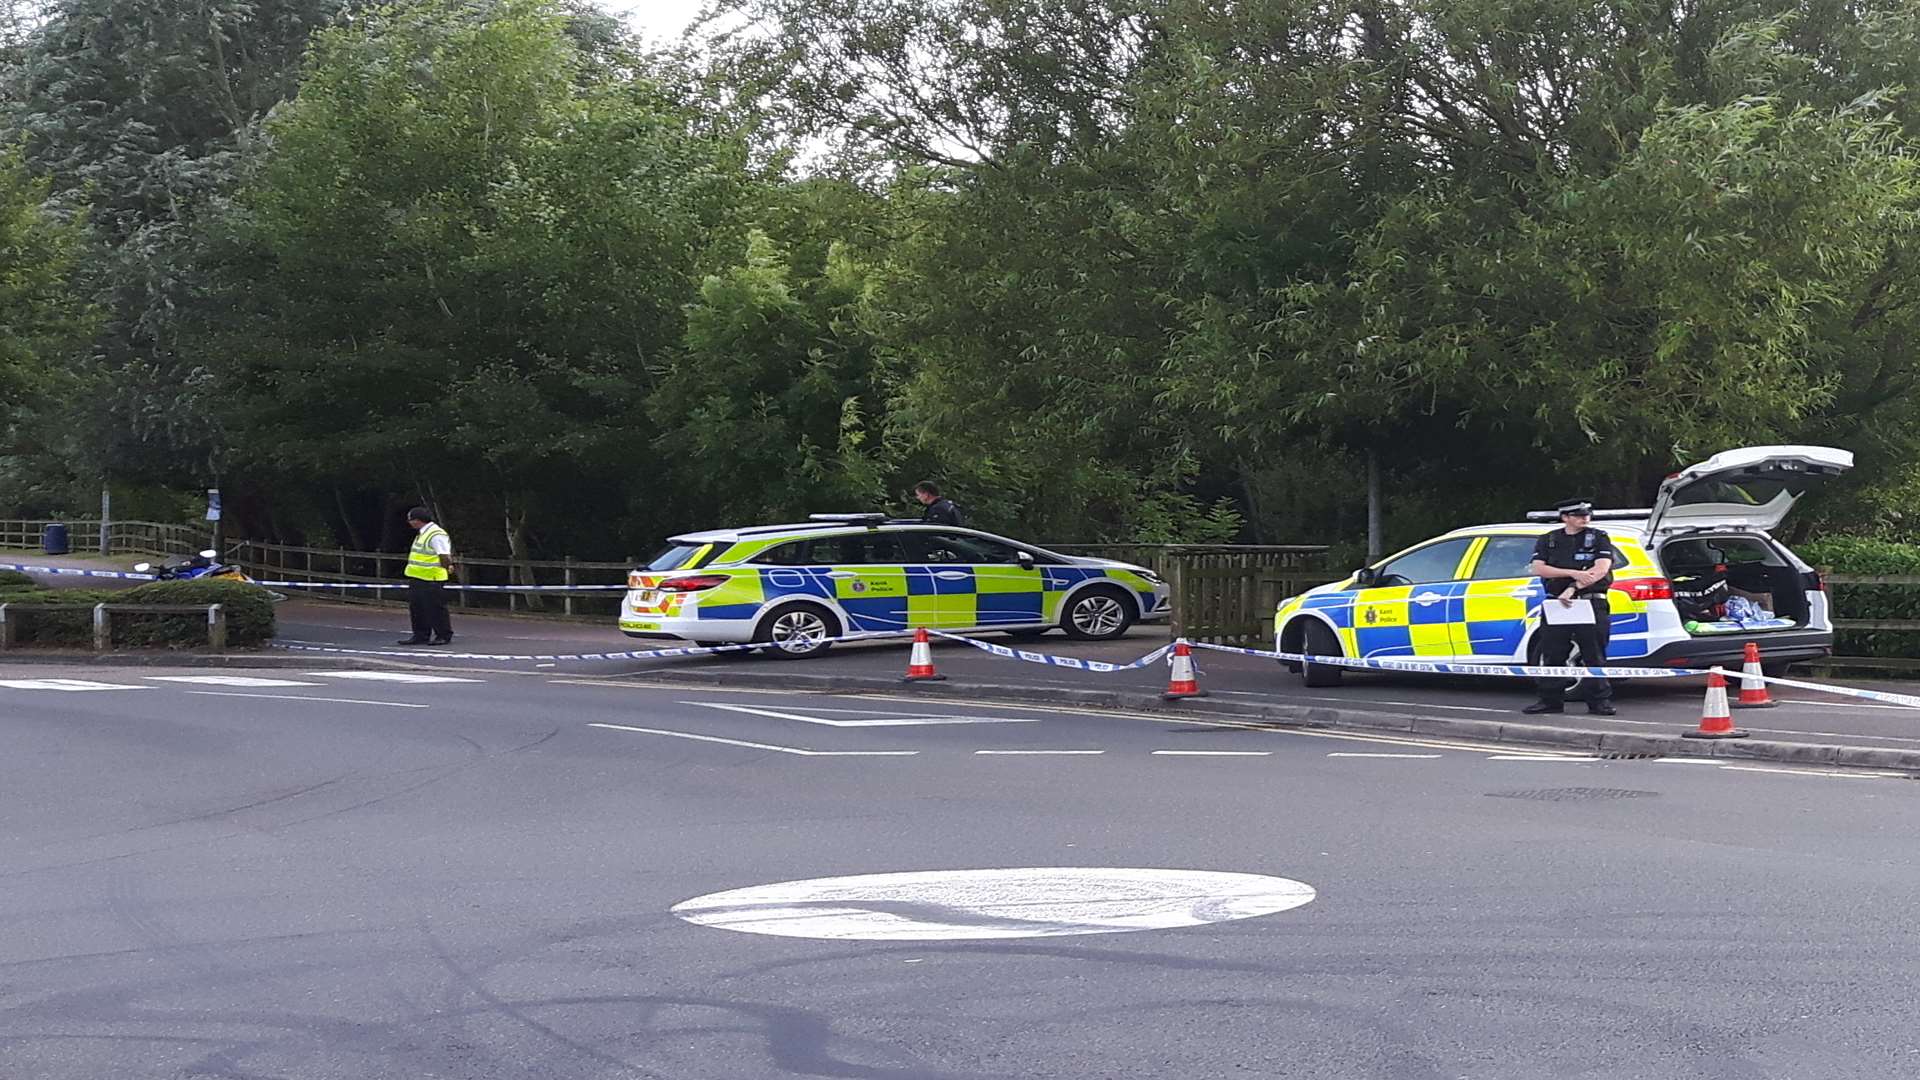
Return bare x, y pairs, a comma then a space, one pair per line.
304, 697
795, 750
1038, 753
1542, 757
1217, 753
1342, 753
957, 905
228, 680
389, 676
1848, 775
911, 721
66, 684
1282, 699
1685, 761
1843, 704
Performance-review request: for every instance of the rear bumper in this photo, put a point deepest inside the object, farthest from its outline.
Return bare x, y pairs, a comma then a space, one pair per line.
1776, 645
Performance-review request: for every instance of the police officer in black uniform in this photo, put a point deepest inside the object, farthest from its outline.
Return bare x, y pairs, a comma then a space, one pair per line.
1575, 562
939, 509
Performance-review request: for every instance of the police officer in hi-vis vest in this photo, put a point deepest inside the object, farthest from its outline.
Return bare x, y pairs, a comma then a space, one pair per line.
429, 562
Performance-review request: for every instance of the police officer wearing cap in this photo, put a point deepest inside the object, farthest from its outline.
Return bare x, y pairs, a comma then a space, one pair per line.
1574, 562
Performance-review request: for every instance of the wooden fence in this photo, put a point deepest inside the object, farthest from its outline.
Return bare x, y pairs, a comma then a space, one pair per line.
1221, 592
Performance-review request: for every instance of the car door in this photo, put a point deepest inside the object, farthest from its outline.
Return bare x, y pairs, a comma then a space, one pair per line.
1413, 603
870, 581
1006, 590
1501, 591
940, 579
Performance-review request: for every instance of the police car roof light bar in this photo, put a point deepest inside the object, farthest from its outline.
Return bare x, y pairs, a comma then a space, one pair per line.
1598, 515
849, 519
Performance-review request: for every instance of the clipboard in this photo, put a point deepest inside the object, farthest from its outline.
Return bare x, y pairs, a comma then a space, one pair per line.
1555, 612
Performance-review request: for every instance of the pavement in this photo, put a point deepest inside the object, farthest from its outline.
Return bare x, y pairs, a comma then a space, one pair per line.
365, 873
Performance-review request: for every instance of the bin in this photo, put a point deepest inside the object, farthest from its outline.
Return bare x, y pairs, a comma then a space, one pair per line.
53, 539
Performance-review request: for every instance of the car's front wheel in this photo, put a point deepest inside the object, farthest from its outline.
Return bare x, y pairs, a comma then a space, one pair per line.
1319, 640
1097, 614
797, 630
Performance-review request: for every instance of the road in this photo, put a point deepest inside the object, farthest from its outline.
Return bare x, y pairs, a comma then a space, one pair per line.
372, 874
1666, 707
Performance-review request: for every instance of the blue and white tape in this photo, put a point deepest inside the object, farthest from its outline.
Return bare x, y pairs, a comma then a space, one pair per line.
75, 571
1904, 700
129, 575
1435, 667
1051, 660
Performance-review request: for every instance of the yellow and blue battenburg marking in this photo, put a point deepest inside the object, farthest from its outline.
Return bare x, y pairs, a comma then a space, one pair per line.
1454, 618
890, 597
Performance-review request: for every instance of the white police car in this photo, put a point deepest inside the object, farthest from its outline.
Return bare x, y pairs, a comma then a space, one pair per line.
799, 585
1467, 596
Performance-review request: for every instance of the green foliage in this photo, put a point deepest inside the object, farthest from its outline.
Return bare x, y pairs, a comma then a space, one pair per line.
1866, 555
14, 579
249, 611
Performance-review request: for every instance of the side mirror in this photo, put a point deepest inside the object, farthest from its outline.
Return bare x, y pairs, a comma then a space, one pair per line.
142, 567
1366, 575
210, 554
1024, 558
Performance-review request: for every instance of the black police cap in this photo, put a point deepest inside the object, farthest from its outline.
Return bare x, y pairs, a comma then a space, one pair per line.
1573, 506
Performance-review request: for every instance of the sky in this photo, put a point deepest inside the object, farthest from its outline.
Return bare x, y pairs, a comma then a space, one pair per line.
661, 20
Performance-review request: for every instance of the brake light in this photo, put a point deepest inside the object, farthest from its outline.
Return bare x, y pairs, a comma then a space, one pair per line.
695, 583
633, 580
1643, 589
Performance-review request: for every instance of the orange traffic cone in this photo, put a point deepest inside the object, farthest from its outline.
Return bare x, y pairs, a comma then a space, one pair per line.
920, 661
1715, 721
1180, 681
1753, 690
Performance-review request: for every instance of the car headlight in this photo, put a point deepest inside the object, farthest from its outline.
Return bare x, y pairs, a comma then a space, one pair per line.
1152, 578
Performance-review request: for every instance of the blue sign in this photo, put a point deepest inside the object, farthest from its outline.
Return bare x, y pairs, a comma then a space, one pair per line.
213, 504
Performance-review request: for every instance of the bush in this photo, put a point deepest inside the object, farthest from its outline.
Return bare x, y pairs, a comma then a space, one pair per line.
14, 579
1862, 555
249, 614
249, 610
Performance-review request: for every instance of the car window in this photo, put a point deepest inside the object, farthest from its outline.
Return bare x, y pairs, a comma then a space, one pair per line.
940, 547
1435, 562
791, 553
676, 557
1505, 557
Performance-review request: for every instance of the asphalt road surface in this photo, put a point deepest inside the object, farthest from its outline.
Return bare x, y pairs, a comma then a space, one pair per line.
373, 874
1662, 706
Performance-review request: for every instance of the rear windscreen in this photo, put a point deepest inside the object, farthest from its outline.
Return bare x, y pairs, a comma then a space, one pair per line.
677, 557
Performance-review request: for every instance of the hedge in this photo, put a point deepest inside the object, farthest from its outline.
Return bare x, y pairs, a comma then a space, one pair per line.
14, 579
1860, 555
249, 610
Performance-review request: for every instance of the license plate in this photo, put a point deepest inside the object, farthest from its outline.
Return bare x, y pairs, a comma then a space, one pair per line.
640, 626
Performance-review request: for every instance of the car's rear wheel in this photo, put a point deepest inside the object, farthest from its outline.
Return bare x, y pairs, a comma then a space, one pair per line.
797, 630
1319, 640
1097, 614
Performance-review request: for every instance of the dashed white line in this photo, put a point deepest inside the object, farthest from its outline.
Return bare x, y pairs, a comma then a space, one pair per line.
228, 680
66, 685
1418, 756
907, 721
1541, 757
389, 676
1038, 753
1214, 753
795, 750
304, 697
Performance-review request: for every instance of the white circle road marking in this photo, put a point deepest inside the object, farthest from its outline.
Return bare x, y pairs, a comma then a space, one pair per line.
956, 905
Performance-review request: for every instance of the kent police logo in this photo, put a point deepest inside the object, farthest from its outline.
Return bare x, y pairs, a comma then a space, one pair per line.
859, 586
1372, 616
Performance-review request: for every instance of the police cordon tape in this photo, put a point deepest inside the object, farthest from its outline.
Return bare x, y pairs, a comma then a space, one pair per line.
1030, 657
1435, 667
130, 575
1904, 700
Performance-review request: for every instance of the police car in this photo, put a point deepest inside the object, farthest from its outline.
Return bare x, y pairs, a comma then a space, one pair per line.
1467, 596
797, 586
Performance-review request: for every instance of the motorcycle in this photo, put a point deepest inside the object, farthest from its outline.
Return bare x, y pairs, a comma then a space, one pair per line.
202, 566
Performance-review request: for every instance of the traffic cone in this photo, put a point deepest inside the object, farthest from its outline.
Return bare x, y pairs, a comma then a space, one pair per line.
1180, 681
1715, 721
920, 661
1753, 689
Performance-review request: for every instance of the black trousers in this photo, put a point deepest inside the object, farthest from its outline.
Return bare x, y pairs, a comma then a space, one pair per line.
427, 604
1556, 645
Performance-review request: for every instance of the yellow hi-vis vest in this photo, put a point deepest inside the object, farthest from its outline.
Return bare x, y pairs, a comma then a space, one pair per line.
422, 563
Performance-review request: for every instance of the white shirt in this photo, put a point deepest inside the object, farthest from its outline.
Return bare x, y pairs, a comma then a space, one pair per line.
441, 543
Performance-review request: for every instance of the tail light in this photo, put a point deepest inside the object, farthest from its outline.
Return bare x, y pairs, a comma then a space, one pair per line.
633, 580
695, 583
1643, 589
